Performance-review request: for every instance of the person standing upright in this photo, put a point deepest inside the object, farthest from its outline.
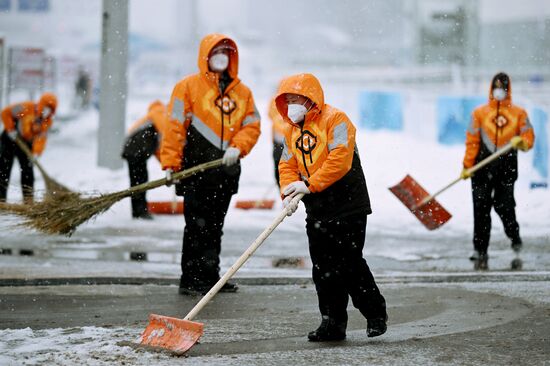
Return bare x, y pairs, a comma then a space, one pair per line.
494, 125
212, 115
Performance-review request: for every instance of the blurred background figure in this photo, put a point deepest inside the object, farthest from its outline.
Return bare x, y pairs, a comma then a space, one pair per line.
83, 89
143, 140
28, 121
277, 135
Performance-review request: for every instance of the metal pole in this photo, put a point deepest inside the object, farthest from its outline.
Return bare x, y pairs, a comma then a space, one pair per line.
2, 71
113, 87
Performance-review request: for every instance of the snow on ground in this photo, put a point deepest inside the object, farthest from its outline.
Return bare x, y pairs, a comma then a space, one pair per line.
387, 157
92, 345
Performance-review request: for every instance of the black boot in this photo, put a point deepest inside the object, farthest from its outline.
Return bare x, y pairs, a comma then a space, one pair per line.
229, 287
517, 244
482, 263
329, 330
143, 216
376, 326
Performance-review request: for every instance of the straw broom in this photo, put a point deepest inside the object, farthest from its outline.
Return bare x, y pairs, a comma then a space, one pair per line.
64, 213
53, 188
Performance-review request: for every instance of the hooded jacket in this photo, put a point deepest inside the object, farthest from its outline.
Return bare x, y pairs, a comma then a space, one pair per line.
484, 136
145, 134
25, 117
322, 152
278, 124
206, 119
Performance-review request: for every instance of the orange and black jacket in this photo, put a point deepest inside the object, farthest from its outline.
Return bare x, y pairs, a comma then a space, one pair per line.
484, 136
207, 115
25, 118
145, 134
322, 152
278, 124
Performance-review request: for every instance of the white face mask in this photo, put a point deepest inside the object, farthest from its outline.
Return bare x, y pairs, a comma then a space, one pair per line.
296, 112
499, 94
218, 62
46, 112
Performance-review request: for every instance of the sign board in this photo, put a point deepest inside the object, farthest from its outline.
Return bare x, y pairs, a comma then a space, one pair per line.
50, 74
34, 6
26, 68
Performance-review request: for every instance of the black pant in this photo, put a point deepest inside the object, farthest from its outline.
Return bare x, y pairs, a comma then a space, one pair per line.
277, 152
9, 150
204, 213
339, 269
138, 175
489, 191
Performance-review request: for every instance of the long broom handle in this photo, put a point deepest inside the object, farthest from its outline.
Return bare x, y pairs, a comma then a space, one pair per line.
471, 171
175, 177
242, 259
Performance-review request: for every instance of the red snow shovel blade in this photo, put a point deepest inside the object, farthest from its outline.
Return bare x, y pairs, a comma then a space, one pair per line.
173, 334
431, 214
259, 204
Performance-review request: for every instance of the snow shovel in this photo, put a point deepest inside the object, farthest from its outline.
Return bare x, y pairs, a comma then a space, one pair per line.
52, 187
423, 205
262, 203
179, 335
165, 207
173, 207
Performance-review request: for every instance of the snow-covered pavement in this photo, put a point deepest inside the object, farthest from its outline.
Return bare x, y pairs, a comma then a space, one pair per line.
441, 310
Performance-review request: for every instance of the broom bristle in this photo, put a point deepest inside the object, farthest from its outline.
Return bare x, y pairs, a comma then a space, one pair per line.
62, 211
61, 214
54, 188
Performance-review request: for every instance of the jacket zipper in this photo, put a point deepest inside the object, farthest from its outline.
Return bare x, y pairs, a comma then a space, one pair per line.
221, 113
302, 150
498, 127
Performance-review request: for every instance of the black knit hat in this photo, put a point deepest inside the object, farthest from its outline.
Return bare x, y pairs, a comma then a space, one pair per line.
503, 78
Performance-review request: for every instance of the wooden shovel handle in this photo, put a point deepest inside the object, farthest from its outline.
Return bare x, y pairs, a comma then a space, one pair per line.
490, 158
242, 259
471, 171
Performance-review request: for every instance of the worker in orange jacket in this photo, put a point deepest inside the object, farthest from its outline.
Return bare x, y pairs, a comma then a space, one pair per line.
320, 159
30, 122
212, 116
494, 125
143, 140
278, 126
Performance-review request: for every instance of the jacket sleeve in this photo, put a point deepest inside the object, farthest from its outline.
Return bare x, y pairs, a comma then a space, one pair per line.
12, 112
7, 119
247, 136
174, 136
473, 138
288, 166
341, 146
526, 130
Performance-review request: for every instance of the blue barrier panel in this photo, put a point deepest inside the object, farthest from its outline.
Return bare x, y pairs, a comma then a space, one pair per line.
453, 117
539, 118
5, 5
380, 110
